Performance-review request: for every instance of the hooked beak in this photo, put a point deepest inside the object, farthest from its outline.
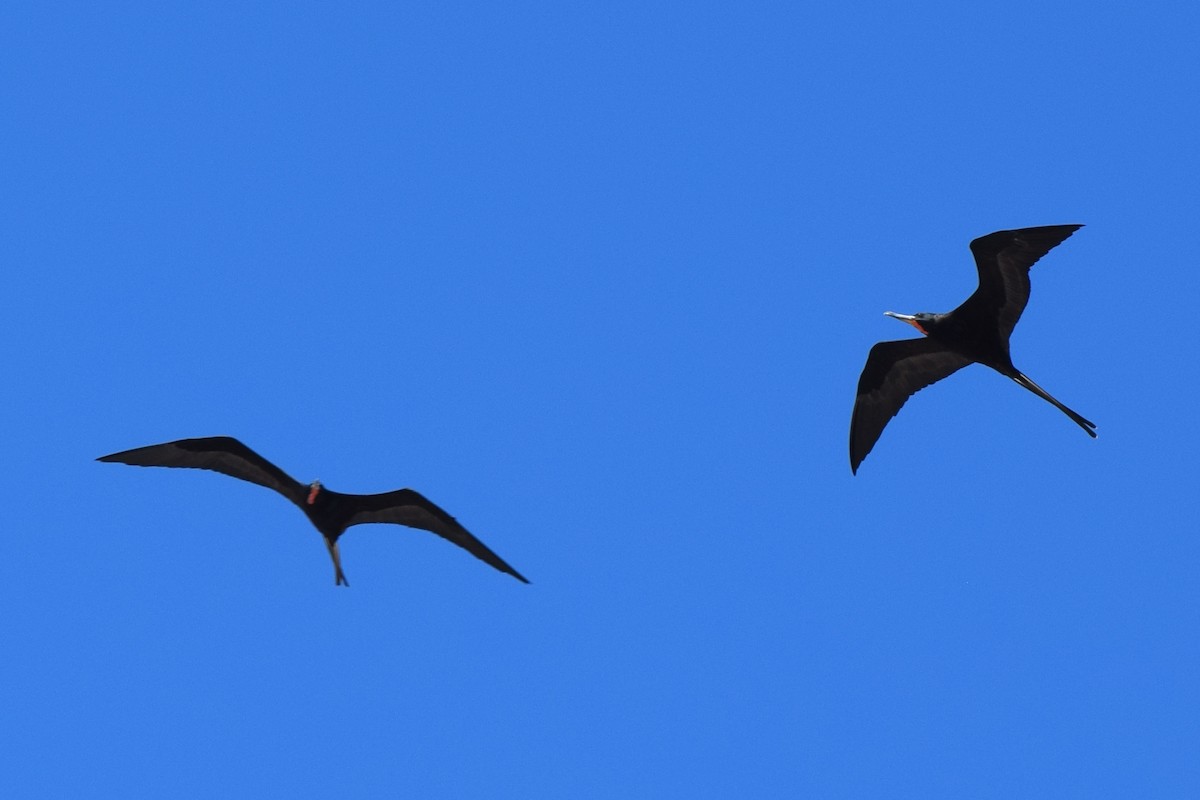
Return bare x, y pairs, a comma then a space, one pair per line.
909, 318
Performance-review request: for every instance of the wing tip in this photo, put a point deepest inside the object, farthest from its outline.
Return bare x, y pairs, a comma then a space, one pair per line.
506, 568
995, 239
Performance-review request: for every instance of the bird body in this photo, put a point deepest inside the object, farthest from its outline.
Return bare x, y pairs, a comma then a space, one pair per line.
977, 331
330, 512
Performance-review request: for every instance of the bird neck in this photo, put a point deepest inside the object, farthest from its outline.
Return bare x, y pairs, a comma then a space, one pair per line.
933, 324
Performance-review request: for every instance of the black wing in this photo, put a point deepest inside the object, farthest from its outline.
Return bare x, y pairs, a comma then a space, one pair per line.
407, 507
218, 453
894, 371
1003, 259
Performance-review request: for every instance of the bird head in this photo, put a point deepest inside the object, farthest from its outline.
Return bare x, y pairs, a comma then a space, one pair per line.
314, 489
921, 322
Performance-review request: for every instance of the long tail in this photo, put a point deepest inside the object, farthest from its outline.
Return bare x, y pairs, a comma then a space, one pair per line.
1022, 380
339, 579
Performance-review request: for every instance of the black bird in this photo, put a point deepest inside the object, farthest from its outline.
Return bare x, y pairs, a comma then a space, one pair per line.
331, 512
976, 331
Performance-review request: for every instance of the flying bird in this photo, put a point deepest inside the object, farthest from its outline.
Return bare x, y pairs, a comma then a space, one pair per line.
331, 512
976, 332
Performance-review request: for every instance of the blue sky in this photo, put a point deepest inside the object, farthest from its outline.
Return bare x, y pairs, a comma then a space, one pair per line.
599, 281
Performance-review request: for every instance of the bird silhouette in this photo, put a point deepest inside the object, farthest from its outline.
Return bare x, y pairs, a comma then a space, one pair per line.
331, 512
976, 332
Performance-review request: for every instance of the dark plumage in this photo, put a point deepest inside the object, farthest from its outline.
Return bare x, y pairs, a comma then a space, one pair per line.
976, 332
331, 512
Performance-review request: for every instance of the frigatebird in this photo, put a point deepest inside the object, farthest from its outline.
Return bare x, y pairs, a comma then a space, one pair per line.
331, 512
976, 332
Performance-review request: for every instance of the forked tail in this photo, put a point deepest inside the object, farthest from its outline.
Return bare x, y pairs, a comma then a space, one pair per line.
339, 579
1087, 426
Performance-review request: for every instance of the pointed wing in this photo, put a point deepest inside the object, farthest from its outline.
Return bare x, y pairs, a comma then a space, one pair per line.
894, 371
1003, 259
222, 454
407, 507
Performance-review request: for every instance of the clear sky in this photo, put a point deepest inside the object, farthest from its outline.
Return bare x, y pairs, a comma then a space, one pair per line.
599, 279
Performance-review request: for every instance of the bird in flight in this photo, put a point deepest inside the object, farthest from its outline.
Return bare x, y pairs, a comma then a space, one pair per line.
331, 512
976, 332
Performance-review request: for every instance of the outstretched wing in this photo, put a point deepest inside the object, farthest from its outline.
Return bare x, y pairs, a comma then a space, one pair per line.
1003, 259
407, 507
218, 453
894, 371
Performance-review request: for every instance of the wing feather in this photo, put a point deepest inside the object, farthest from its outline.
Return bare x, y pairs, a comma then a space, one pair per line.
893, 373
408, 507
222, 454
1003, 260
